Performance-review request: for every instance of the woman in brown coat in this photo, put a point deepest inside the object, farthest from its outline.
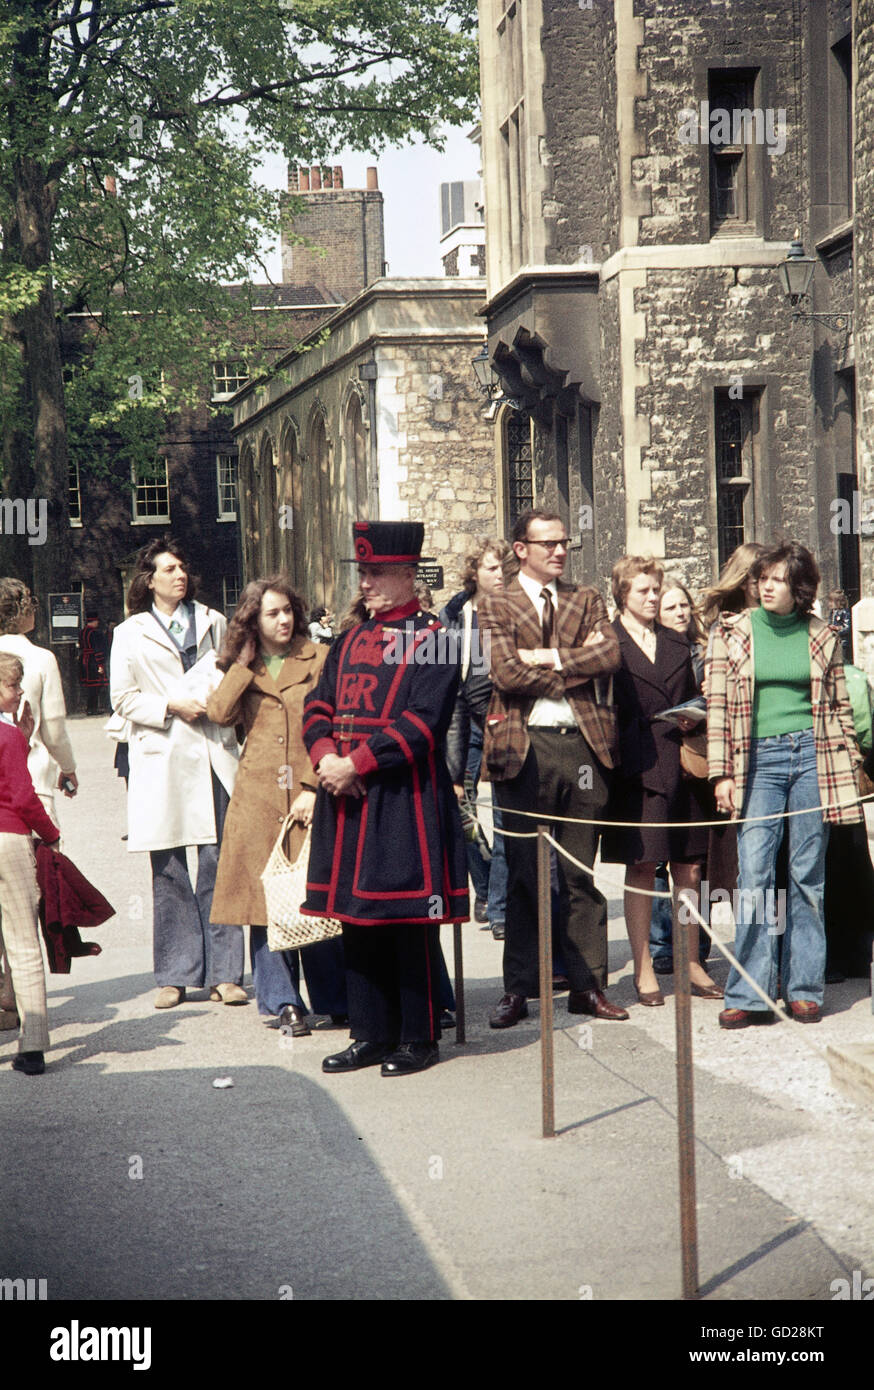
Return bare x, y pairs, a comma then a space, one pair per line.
270, 666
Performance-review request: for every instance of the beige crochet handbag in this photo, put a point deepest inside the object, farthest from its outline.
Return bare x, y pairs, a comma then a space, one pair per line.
285, 887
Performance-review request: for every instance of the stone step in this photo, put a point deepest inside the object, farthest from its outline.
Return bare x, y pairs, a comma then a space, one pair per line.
852, 1071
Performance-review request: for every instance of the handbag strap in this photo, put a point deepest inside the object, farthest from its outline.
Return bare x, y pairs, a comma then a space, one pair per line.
286, 826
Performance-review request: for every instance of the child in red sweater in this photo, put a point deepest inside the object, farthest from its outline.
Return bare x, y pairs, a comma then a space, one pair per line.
21, 812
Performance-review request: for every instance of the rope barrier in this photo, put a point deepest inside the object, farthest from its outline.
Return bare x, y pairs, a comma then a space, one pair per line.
648, 893
669, 824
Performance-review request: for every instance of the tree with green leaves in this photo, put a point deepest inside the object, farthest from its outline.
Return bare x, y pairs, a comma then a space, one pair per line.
130, 134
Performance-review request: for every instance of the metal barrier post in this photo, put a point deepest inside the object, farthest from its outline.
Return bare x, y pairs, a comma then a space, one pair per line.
685, 1109
544, 928
458, 962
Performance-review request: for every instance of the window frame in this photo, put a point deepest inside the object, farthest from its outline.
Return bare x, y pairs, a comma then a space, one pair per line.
226, 392
157, 520
221, 513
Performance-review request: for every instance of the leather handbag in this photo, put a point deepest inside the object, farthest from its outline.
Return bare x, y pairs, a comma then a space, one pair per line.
693, 755
284, 890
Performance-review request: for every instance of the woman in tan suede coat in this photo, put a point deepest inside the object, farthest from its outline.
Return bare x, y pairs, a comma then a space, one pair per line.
270, 667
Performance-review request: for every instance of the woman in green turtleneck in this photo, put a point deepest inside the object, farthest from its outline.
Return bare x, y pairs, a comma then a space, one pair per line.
780, 739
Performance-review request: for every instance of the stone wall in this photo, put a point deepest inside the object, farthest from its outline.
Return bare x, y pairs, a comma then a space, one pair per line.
446, 454
864, 267
572, 107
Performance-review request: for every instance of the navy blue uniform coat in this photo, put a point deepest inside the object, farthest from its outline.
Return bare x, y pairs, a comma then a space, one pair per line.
385, 698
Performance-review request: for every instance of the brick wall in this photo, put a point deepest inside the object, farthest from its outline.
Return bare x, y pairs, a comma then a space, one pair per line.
346, 226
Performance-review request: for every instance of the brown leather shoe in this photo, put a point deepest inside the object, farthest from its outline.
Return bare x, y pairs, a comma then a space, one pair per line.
805, 1011
650, 998
511, 1008
745, 1018
707, 991
592, 1001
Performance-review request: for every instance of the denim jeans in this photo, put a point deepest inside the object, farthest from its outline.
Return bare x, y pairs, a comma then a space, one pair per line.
189, 949
782, 777
277, 975
497, 898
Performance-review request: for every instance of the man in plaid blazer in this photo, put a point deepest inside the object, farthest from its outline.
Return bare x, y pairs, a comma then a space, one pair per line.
550, 739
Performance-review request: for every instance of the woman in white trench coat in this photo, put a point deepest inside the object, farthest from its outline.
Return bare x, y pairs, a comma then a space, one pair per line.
182, 770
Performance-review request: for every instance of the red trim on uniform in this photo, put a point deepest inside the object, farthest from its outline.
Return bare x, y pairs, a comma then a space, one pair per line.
420, 724
320, 704
405, 747
402, 668
406, 610
362, 759
320, 749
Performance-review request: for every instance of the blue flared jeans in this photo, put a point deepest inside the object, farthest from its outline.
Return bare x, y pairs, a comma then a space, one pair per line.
772, 936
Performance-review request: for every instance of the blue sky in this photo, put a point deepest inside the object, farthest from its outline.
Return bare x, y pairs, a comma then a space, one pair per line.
410, 181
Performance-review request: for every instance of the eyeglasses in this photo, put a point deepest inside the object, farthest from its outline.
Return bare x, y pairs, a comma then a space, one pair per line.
563, 541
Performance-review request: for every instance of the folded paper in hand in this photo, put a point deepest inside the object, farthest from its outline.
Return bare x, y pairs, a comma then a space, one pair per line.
694, 710
201, 680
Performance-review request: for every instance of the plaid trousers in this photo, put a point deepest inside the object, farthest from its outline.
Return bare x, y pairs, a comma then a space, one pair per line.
19, 897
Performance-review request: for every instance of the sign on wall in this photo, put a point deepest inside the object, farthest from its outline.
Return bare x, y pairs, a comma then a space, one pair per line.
65, 618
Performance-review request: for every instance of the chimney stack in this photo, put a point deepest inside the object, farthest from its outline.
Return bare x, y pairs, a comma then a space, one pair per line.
338, 176
315, 178
371, 177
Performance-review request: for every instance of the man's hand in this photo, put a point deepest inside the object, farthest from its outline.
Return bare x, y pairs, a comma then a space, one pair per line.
537, 656
187, 709
338, 776
68, 777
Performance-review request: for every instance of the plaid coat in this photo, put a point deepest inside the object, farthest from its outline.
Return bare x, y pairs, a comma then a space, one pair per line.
730, 681
511, 621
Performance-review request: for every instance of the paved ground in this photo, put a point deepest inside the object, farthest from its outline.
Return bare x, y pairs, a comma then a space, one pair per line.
154, 1184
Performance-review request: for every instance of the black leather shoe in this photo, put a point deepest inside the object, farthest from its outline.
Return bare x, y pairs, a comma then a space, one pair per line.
447, 1019
31, 1063
511, 1008
292, 1021
592, 1001
358, 1055
498, 931
480, 910
411, 1057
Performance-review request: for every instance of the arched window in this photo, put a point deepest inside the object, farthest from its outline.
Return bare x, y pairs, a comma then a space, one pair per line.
290, 511
318, 546
356, 458
517, 465
250, 509
269, 509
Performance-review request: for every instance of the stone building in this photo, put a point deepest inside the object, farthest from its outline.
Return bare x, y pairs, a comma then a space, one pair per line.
646, 164
378, 415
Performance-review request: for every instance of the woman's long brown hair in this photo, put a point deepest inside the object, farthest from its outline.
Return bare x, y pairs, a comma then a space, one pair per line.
244, 623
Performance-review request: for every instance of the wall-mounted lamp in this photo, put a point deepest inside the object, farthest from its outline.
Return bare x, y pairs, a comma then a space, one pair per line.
489, 383
796, 277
